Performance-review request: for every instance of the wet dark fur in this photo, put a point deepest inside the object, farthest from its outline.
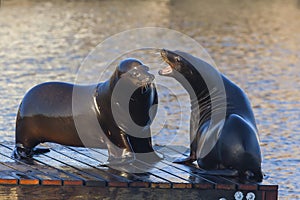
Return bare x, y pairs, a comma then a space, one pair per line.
237, 147
45, 113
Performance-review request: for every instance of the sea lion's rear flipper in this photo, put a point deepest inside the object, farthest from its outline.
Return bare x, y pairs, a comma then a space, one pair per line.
23, 153
257, 176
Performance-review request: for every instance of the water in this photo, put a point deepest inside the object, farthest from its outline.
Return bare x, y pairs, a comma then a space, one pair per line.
254, 43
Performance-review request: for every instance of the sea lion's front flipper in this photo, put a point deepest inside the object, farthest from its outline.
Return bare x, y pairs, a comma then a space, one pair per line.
119, 155
119, 162
187, 161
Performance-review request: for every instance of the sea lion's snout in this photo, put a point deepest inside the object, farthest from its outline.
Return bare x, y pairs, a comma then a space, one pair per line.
141, 77
146, 80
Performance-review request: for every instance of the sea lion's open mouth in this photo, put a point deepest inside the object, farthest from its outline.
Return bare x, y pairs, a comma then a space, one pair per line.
166, 71
169, 69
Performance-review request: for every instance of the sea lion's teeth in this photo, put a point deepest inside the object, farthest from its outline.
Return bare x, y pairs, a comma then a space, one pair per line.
166, 70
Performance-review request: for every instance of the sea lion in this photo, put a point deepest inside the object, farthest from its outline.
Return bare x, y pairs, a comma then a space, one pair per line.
231, 133
46, 114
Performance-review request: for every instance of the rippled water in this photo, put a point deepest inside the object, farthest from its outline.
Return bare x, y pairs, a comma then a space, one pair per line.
254, 43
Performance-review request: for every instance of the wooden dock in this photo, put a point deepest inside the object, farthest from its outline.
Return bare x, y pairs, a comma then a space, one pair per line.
76, 173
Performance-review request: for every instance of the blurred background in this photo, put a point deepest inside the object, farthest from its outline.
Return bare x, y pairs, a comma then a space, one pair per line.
255, 43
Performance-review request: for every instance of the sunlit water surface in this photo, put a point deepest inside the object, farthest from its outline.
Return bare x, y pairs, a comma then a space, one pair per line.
254, 43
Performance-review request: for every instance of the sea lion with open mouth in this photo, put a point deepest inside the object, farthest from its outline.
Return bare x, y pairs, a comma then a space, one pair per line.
46, 114
222, 128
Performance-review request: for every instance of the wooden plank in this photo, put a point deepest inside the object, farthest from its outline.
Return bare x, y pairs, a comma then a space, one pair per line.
43, 167
141, 180
270, 191
228, 183
177, 181
71, 192
7, 180
22, 178
161, 166
68, 178
247, 187
134, 184
198, 181
112, 179
266, 186
271, 195
156, 181
69, 165
219, 182
6, 177
44, 178
87, 178
82, 165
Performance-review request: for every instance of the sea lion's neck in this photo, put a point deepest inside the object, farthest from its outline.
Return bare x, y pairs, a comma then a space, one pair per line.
206, 91
195, 85
113, 80
198, 92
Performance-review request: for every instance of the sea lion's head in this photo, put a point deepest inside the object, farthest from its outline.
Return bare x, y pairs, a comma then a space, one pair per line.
176, 63
135, 73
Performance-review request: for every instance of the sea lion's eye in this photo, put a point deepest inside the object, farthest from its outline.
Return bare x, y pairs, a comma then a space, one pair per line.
177, 58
